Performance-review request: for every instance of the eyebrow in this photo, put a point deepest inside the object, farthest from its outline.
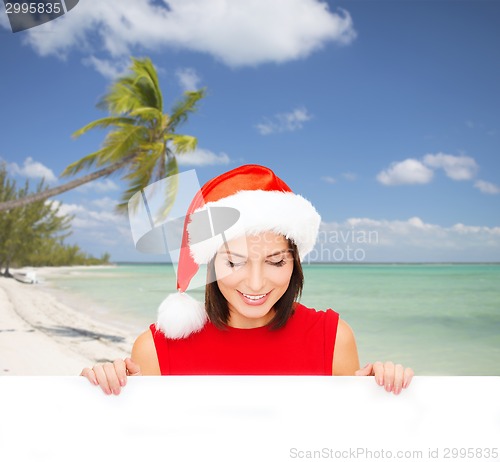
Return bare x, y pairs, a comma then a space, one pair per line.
279, 252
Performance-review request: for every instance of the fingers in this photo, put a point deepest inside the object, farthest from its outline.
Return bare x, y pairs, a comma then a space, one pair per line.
392, 377
102, 377
121, 372
132, 368
389, 376
378, 372
365, 370
407, 376
89, 373
402, 378
398, 378
111, 377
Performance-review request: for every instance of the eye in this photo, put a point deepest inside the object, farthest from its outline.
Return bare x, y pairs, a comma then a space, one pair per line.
278, 263
232, 264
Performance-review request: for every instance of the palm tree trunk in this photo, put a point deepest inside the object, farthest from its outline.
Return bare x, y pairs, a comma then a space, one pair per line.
65, 187
7, 273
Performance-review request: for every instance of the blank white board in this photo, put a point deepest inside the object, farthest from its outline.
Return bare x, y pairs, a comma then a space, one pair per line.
239, 418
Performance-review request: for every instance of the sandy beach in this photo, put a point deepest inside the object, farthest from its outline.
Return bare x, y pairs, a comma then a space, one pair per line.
40, 335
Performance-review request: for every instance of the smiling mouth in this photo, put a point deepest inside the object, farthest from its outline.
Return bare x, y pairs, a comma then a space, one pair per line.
253, 297
254, 300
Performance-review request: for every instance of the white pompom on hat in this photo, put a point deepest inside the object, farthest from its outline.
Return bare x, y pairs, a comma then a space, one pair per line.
265, 203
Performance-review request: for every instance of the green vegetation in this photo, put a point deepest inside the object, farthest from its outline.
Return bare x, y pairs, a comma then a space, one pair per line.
33, 235
54, 253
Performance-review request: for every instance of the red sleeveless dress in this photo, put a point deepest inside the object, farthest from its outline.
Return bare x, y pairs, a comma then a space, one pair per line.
304, 346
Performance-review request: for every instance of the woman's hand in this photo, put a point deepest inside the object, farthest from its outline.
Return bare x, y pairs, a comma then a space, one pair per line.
392, 377
111, 376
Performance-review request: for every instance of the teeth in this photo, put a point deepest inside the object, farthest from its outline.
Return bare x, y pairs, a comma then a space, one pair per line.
254, 297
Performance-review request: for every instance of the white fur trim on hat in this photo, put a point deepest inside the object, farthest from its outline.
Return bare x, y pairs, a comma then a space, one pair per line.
281, 212
179, 315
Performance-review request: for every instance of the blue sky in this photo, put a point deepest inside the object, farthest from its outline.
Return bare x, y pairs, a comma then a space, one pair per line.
385, 114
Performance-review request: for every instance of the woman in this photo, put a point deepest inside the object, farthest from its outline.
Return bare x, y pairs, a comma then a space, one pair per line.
251, 322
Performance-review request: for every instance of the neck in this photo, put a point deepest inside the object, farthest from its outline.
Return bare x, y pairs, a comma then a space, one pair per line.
241, 322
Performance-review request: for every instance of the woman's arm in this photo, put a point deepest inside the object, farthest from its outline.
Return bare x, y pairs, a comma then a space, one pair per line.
346, 362
345, 353
144, 354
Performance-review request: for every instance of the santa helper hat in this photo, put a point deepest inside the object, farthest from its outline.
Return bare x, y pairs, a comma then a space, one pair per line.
265, 203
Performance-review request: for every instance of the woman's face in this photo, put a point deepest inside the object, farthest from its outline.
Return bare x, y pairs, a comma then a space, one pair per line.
253, 272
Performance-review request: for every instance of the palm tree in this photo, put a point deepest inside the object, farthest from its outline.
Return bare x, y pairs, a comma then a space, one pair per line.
25, 229
142, 140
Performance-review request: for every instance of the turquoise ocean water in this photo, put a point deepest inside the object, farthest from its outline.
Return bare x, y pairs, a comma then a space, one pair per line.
440, 319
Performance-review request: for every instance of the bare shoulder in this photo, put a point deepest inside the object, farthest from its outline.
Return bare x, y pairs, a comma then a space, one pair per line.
345, 335
345, 355
144, 354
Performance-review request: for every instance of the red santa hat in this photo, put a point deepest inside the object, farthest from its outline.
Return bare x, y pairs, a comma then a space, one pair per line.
252, 200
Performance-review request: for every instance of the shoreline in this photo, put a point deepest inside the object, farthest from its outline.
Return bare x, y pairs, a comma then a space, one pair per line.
42, 335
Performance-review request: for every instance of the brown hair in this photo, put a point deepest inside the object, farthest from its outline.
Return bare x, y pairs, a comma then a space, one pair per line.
216, 304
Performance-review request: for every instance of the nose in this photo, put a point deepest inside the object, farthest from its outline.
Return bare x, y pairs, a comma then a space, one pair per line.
255, 278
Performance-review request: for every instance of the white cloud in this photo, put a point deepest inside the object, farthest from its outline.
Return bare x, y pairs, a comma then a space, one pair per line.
202, 157
236, 32
456, 167
411, 240
32, 169
98, 228
105, 203
69, 209
284, 122
409, 171
329, 179
349, 176
105, 217
87, 220
189, 80
107, 68
486, 187
99, 186
64, 209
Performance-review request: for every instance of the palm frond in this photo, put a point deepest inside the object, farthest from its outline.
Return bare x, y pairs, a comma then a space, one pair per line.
84, 163
120, 143
170, 190
139, 88
146, 113
155, 148
105, 122
143, 167
147, 76
186, 106
138, 177
121, 97
184, 143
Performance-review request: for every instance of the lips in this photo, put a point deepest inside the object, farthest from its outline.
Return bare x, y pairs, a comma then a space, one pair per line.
254, 300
